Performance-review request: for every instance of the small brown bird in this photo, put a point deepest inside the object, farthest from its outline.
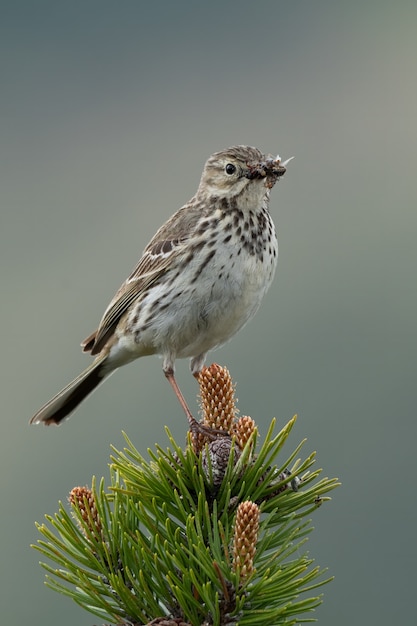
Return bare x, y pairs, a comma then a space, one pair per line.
200, 279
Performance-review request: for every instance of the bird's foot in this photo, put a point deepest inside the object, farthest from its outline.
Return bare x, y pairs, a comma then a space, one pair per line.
202, 431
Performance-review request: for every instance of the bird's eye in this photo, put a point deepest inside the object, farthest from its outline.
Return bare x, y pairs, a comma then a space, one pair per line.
230, 169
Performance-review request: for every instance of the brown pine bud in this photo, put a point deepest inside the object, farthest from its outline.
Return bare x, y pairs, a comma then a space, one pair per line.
217, 397
245, 538
82, 498
198, 441
243, 430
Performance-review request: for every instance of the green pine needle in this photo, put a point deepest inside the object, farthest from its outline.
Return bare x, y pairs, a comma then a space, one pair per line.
159, 541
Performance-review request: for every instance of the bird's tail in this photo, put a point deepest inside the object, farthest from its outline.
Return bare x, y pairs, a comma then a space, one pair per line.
67, 400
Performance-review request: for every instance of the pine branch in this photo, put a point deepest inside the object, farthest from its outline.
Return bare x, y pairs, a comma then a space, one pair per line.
209, 535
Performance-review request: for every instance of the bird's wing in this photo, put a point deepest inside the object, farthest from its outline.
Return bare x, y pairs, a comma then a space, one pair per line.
161, 255
157, 259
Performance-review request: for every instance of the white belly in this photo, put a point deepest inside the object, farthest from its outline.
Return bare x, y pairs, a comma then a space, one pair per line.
207, 313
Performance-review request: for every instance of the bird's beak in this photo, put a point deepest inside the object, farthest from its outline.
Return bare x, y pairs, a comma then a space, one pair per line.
270, 169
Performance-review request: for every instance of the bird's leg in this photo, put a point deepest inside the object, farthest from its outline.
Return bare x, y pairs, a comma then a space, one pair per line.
195, 427
169, 374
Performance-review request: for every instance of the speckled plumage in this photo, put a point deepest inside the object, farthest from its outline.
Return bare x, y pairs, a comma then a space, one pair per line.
199, 280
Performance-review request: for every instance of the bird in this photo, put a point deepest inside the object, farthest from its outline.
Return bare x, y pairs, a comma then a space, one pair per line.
199, 280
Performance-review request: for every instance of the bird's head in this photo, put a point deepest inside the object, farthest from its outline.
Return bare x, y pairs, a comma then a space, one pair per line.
241, 171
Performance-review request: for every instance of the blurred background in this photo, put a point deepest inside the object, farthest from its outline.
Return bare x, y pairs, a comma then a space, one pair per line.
108, 113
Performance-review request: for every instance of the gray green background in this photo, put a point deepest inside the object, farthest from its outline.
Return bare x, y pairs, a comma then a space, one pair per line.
108, 112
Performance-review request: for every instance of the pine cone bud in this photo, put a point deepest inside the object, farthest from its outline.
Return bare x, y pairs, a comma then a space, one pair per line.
245, 538
243, 430
217, 397
82, 498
